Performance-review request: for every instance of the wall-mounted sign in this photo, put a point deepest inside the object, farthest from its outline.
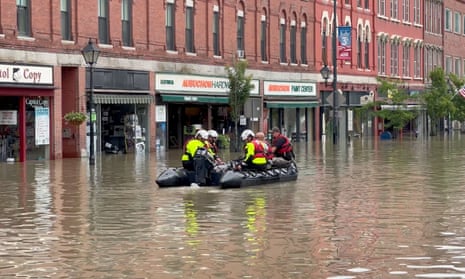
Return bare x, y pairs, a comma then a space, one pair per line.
8, 117
194, 83
23, 74
279, 88
37, 102
42, 126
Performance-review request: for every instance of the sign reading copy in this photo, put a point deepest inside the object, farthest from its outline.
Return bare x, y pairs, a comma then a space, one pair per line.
193, 83
26, 74
277, 88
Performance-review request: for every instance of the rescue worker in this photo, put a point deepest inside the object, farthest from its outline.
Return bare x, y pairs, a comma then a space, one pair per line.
191, 148
202, 162
213, 146
281, 148
254, 152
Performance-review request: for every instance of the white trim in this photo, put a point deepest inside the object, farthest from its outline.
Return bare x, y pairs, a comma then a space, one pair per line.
282, 20
189, 3
216, 8
303, 24
263, 18
293, 23
240, 13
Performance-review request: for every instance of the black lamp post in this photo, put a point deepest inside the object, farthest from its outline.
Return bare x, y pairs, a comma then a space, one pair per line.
325, 71
91, 54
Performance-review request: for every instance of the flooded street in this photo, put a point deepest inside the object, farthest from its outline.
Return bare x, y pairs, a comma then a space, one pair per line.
371, 209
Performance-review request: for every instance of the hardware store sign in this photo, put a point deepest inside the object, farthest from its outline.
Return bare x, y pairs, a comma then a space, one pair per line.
193, 83
22, 74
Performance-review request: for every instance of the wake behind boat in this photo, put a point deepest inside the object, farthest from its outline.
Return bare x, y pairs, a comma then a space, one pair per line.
226, 176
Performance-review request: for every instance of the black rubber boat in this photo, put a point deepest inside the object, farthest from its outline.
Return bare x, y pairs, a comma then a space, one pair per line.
226, 177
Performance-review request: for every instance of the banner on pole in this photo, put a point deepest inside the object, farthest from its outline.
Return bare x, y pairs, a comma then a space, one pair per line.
344, 48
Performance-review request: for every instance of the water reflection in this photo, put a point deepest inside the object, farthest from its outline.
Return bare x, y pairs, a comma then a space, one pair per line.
364, 210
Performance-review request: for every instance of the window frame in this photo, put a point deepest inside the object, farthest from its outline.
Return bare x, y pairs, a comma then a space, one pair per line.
23, 17
103, 22
189, 30
170, 26
126, 22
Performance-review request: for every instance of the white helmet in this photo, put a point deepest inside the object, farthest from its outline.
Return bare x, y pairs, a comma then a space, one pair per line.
247, 133
212, 133
201, 134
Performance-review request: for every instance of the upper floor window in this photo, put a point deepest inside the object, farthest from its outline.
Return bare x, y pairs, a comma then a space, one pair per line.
282, 41
103, 22
367, 4
406, 10
406, 60
394, 9
240, 34
65, 10
293, 42
417, 62
417, 11
382, 7
169, 25
457, 22
263, 38
324, 42
126, 22
395, 59
190, 26
359, 46
448, 20
381, 56
216, 31
303, 43
23, 17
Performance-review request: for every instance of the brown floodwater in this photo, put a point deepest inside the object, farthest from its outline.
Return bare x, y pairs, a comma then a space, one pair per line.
369, 209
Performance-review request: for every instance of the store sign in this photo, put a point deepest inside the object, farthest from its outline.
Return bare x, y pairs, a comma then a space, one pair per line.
8, 117
20, 74
42, 126
200, 84
37, 102
277, 88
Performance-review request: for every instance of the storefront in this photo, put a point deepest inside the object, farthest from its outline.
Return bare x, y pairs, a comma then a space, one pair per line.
123, 104
194, 101
26, 96
291, 107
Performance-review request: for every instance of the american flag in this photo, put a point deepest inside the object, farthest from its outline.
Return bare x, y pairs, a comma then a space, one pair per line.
462, 91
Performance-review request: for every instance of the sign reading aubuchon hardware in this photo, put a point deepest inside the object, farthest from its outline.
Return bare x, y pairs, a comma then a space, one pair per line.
194, 83
281, 88
23, 74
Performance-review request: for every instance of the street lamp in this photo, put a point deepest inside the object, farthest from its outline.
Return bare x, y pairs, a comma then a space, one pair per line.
325, 71
90, 54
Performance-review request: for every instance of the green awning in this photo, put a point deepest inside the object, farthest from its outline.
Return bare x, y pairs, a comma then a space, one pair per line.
123, 99
290, 104
194, 99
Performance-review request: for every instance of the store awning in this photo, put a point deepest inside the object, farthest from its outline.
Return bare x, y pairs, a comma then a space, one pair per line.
123, 99
290, 104
194, 99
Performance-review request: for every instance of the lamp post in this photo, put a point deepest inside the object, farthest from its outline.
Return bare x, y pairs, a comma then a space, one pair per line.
325, 71
91, 54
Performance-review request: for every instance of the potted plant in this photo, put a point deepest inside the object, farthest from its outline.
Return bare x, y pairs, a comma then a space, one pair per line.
223, 141
75, 118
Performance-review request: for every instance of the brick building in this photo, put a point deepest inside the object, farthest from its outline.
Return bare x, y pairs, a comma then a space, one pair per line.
161, 70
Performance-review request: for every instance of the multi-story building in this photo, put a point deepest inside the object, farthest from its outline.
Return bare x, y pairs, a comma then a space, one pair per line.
161, 70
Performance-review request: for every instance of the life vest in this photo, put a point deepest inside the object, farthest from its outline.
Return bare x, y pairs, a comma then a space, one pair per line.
257, 155
286, 149
191, 149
